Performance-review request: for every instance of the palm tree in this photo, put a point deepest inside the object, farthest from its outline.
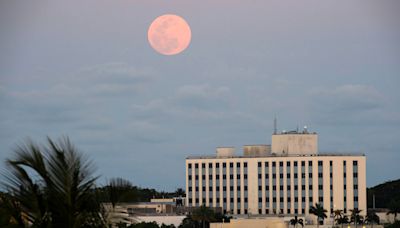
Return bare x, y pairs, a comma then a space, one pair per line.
355, 216
53, 185
394, 208
337, 214
372, 218
318, 211
296, 221
343, 220
204, 215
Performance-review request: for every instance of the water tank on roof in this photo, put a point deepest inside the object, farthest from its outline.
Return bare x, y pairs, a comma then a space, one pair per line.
257, 150
225, 151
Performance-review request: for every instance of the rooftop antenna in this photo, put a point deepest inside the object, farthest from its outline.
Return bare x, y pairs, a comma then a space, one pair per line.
275, 126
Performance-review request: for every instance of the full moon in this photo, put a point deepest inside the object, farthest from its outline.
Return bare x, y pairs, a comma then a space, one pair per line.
169, 34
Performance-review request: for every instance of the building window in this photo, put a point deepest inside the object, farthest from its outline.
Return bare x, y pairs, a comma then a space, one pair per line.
197, 177
245, 165
288, 175
224, 176
354, 163
210, 189
295, 164
281, 188
321, 199
309, 163
273, 164
267, 187
224, 188
204, 188
216, 165
303, 187
303, 163
238, 176
231, 165
190, 177
355, 175
281, 175
231, 176
295, 175
231, 188
310, 199
196, 166
280, 164
245, 176
224, 165
245, 188
310, 175
238, 211
238, 164
267, 199
210, 177
259, 188
217, 188
320, 187
289, 199
259, 176
217, 176
203, 165
303, 175
197, 189
288, 164
273, 176
210, 165
266, 164
259, 199
189, 165
319, 163
309, 187
245, 199
190, 189
203, 177
259, 164
320, 175
296, 187
288, 187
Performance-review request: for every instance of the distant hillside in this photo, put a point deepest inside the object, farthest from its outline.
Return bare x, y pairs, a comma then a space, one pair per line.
384, 193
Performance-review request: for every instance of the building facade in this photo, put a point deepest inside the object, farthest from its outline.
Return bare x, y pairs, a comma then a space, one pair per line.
266, 181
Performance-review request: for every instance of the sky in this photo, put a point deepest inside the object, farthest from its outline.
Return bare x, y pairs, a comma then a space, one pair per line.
85, 69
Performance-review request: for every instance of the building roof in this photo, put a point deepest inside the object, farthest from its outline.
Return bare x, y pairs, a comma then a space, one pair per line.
278, 155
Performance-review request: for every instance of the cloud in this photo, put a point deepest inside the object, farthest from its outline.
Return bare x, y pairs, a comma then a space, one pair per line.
349, 98
349, 104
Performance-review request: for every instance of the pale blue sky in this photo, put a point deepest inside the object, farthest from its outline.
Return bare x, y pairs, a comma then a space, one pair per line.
85, 69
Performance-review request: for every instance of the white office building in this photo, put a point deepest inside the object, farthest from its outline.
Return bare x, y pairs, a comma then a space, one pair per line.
284, 178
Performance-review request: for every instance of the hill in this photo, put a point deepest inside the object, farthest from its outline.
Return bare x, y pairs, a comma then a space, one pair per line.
384, 193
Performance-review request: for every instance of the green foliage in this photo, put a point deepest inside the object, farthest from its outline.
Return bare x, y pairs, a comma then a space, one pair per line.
202, 217
296, 221
318, 211
384, 194
394, 207
50, 186
396, 224
355, 216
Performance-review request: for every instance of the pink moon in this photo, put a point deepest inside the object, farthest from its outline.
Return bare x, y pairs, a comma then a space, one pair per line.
169, 34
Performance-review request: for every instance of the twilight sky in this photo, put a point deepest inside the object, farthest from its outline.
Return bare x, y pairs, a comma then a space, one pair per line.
85, 69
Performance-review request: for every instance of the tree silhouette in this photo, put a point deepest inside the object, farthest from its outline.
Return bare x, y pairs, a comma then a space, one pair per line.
318, 211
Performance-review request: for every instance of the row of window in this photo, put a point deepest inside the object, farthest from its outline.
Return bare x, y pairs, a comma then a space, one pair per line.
266, 164
210, 165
